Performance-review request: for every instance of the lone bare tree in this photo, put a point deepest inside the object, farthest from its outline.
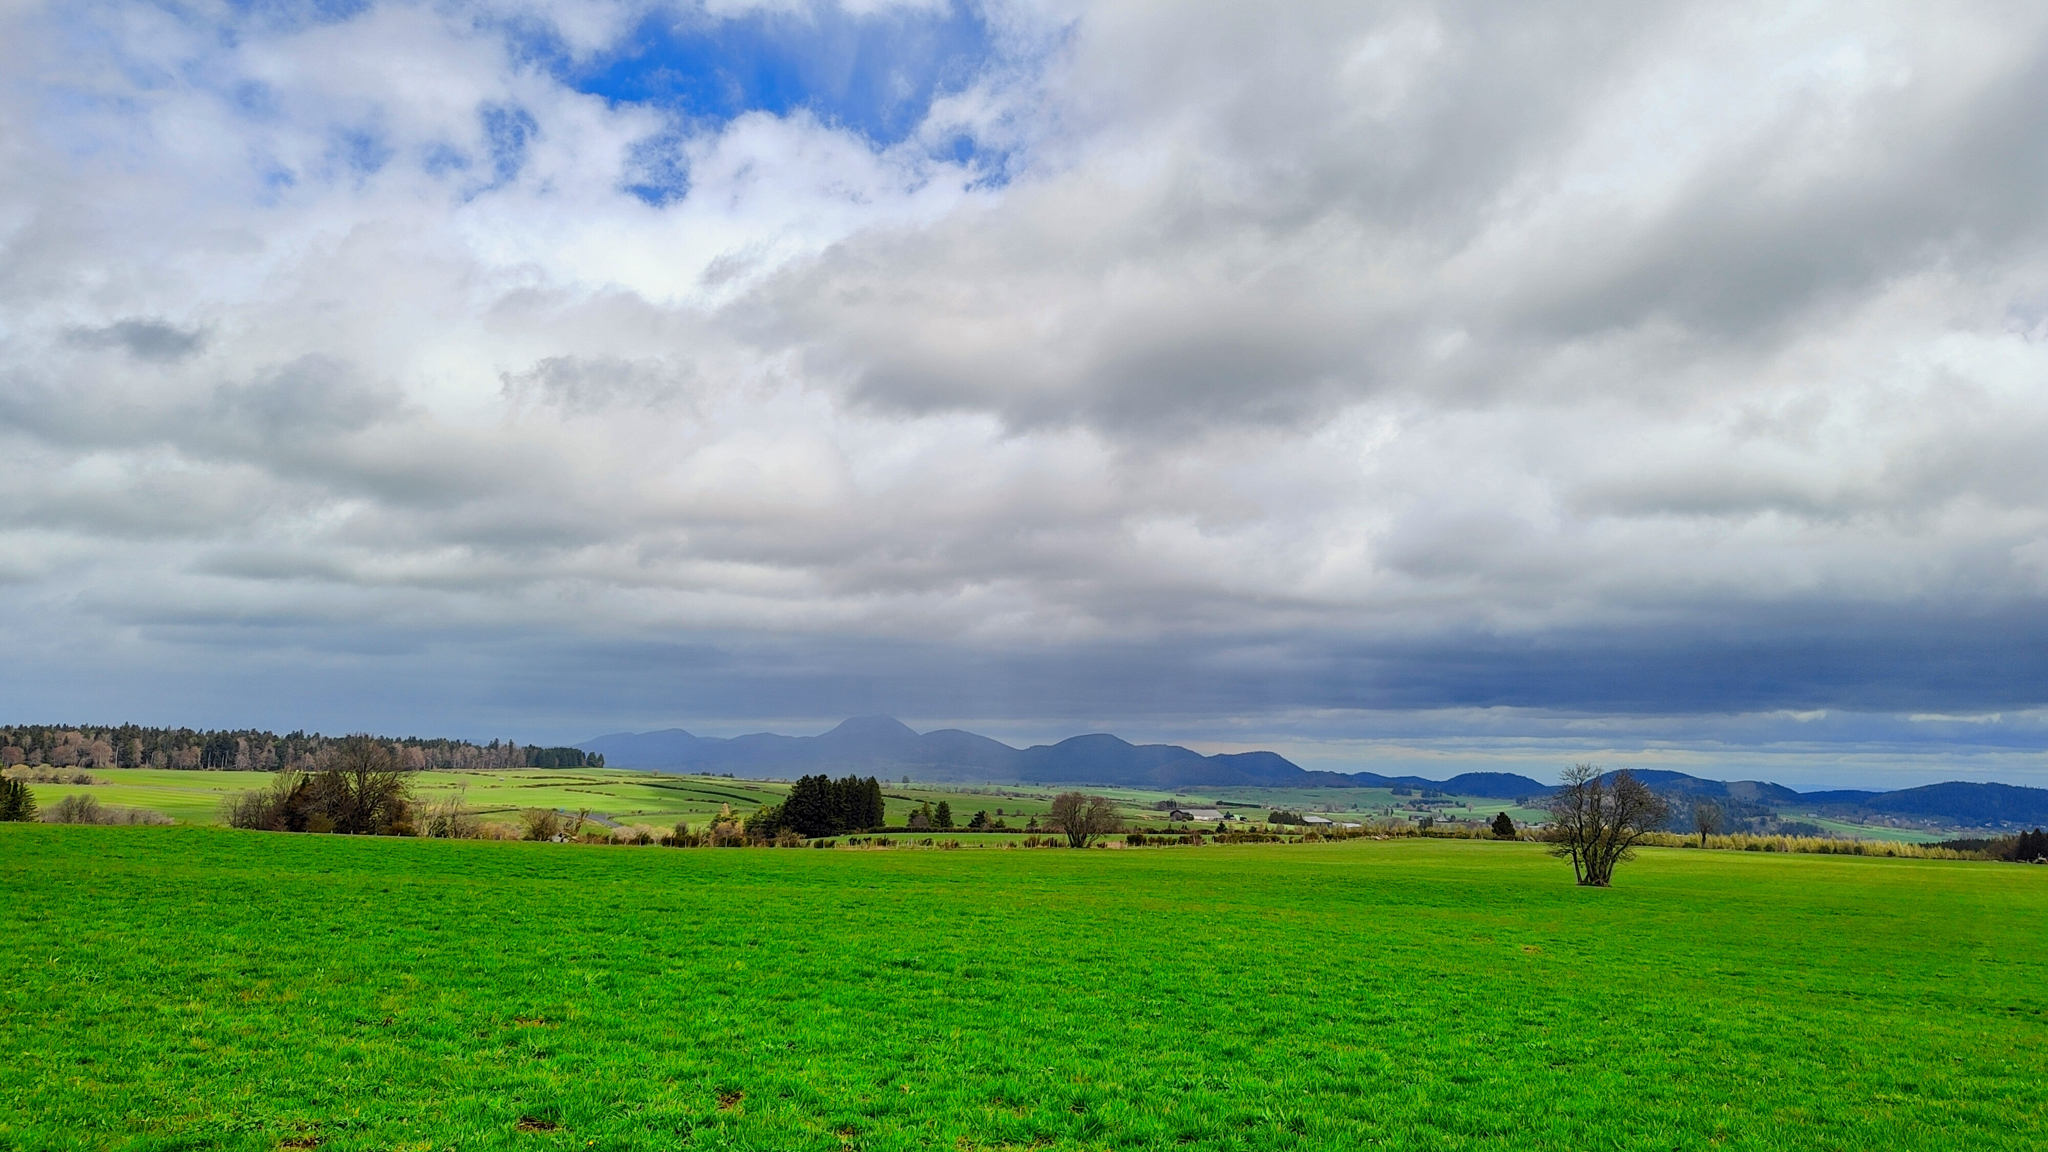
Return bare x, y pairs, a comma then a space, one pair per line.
363, 789
1082, 818
1596, 820
1706, 819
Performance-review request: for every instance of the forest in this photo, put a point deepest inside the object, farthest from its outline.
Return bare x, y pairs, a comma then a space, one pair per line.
249, 749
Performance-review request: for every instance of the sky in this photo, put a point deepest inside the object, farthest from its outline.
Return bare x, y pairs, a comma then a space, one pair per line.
1403, 387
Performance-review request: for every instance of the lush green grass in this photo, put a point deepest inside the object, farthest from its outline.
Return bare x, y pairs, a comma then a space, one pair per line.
199, 988
1878, 831
623, 795
193, 797
632, 797
635, 797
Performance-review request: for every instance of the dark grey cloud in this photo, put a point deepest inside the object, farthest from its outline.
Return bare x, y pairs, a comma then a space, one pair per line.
143, 339
583, 384
314, 397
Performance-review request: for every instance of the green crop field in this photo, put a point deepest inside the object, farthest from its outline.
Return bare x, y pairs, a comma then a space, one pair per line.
660, 799
187, 987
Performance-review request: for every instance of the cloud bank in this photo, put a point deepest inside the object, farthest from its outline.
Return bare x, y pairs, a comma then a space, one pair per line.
1504, 383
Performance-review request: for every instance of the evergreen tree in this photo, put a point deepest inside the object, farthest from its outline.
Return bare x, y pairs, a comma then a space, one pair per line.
858, 803
17, 803
811, 809
844, 792
979, 822
943, 818
1504, 827
764, 822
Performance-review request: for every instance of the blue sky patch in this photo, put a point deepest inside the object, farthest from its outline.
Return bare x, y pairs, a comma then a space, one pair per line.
283, 14
874, 74
656, 171
441, 159
363, 150
507, 131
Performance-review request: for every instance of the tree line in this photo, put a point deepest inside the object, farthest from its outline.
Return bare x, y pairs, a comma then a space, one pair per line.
250, 749
821, 806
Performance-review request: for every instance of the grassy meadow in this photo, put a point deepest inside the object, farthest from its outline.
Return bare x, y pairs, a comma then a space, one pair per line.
661, 799
629, 796
191, 987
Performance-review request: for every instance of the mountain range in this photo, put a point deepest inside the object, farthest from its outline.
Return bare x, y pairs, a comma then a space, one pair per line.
881, 746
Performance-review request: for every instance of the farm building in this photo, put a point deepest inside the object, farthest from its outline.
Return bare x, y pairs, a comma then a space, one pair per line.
1317, 820
1197, 815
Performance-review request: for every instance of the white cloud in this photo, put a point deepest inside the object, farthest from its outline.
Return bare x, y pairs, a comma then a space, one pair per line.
1325, 338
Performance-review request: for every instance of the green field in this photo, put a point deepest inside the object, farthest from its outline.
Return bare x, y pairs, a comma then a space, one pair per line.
1879, 831
204, 988
659, 799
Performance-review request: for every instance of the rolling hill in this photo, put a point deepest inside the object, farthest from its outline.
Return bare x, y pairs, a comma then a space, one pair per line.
881, 746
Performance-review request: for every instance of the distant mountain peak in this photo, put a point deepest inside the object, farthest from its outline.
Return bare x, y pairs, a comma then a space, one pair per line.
870, 727
888, 747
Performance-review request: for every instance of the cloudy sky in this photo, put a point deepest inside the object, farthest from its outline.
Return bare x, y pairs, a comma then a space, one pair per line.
1406, 385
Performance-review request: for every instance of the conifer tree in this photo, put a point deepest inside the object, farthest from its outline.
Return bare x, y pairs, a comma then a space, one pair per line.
943, 818
877, 814
846, 801
810, 808
17, 803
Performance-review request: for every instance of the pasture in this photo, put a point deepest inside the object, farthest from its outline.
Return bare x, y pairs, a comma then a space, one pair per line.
204, 988
661, 799
638, 797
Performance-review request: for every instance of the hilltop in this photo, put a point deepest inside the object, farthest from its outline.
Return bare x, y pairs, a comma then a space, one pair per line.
887, 747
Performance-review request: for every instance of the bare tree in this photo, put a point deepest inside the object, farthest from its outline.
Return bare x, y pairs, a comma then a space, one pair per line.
540, 823
1596, 821
1706, 819
448, 818
1082, 817
363, 790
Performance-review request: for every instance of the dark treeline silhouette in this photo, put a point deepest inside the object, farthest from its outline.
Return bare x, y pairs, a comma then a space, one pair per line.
2026, 847
821, 806
250, 749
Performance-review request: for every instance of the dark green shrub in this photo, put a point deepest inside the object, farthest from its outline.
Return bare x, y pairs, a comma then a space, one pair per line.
88, 810
17, 802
